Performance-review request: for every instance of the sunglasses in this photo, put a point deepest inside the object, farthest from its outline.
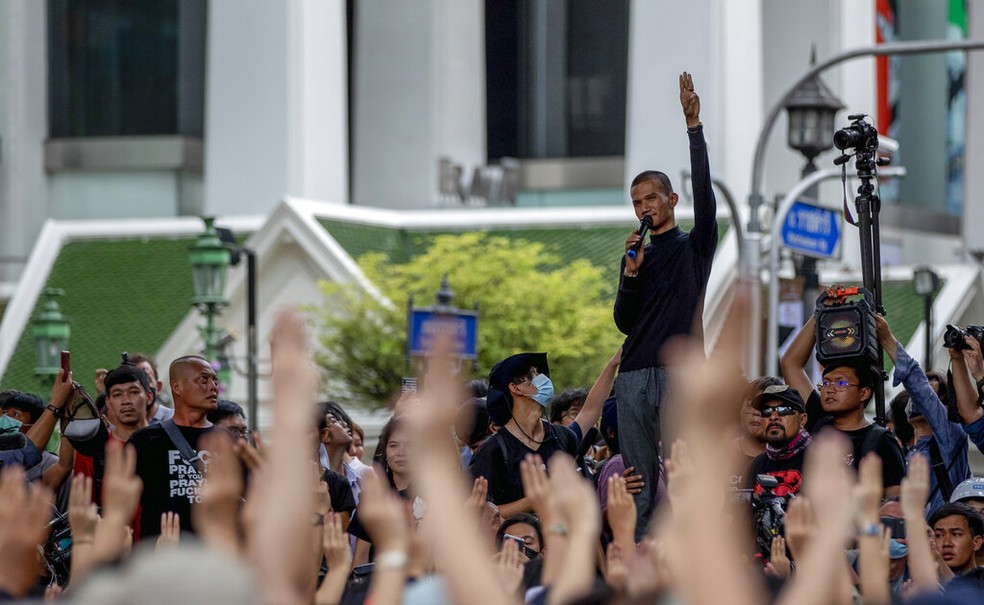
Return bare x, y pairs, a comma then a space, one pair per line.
782, 410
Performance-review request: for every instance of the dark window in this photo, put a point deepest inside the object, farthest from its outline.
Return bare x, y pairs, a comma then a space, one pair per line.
126, 67
556, 77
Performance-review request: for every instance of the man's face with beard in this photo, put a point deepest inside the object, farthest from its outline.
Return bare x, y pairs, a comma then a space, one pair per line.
782, 421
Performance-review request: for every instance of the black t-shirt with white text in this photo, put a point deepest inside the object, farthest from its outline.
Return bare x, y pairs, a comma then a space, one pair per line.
169, 483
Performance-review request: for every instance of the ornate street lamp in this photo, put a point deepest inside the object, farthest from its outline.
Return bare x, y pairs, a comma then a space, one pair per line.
51, 333
811, 108
209, 259
925, 282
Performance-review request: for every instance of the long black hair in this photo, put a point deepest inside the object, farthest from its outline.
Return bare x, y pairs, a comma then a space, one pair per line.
379, 456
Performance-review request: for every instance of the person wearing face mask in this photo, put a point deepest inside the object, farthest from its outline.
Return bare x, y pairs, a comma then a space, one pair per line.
519, 391
26, 426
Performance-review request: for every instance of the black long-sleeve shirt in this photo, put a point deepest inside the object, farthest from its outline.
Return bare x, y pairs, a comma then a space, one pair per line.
666, 299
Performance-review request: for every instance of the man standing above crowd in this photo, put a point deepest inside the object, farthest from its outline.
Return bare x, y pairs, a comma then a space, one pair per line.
169, 464
660, 295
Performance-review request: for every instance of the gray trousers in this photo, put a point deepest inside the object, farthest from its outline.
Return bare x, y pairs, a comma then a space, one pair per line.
638, 394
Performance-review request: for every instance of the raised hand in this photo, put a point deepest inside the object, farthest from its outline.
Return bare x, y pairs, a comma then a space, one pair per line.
647, 575
868, 491
536, 486
800, 526
479, 494
170, 534
381, 514
83, 514
509, 566
915, 487
689, 100
250, 455
121, 486
215, 515
779, 564
335, 547
25, 510
616, 567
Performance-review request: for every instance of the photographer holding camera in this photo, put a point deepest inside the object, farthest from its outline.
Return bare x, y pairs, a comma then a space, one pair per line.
942, 442
967, 367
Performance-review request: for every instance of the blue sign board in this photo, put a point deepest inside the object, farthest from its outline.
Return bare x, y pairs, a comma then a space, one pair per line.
462, 327
811, 230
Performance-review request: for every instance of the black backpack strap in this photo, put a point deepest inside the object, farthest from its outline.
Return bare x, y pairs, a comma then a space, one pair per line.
941, 470
189, 455
871, 439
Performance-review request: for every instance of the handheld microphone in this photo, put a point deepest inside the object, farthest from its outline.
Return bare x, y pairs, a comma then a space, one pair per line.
644, 227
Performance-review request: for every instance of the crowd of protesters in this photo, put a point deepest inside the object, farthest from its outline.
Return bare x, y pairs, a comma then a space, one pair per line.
707, 487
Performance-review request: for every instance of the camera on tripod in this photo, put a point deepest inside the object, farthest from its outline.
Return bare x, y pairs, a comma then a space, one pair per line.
859, 135
955, 338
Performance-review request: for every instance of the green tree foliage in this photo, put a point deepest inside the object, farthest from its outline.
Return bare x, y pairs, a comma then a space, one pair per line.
528, 300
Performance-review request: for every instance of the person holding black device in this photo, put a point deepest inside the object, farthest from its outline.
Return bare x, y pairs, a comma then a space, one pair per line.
661, 296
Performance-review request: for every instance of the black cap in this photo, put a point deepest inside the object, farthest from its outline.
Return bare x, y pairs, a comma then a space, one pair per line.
779, 392
502, 373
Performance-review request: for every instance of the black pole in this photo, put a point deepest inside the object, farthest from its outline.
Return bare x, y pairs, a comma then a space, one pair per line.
928, 310
251, 336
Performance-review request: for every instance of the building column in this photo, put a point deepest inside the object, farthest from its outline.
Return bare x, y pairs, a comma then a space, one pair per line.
276, 110
973, 210
420, 95
23, 130
665, 39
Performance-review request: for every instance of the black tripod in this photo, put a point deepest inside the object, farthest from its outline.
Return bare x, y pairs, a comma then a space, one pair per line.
868, 205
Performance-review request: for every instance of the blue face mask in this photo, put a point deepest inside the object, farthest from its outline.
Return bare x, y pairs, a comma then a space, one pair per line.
544, 389
9, 425
897, 550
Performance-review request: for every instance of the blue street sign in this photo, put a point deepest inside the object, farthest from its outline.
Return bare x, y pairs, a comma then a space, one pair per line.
462, 327
811, 230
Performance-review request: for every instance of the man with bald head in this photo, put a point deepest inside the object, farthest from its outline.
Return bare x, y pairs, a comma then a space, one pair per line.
170, 476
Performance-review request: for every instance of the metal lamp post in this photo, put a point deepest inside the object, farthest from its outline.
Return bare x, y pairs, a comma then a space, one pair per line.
925, 282
811, 108
209, 260
51, 333
236, 252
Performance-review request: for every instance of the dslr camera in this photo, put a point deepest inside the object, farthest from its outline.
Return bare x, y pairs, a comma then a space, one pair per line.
859, 135
955, 338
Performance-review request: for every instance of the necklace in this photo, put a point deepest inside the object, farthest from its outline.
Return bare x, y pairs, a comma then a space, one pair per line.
532, 440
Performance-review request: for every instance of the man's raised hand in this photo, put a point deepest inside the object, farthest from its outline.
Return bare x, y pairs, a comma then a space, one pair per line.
689, 100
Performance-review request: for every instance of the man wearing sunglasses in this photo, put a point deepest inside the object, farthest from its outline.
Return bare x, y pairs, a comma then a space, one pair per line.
784, 416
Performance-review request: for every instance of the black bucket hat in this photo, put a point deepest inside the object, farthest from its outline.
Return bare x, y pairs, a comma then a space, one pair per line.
497, 400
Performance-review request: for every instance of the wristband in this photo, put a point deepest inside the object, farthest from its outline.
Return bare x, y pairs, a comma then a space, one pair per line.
870, 530
391, 559
56, 412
